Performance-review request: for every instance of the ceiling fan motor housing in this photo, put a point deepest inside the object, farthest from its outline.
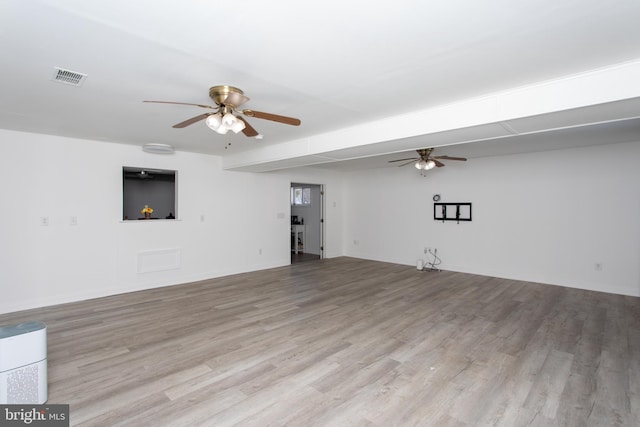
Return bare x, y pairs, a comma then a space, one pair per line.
227, 95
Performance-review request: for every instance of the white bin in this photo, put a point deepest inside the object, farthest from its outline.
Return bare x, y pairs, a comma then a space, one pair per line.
23, 363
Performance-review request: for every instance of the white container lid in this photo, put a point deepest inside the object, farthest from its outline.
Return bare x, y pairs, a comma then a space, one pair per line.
22, 344
21, 328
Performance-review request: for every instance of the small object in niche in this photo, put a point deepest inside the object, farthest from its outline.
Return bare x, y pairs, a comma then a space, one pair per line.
147, 211
170, 216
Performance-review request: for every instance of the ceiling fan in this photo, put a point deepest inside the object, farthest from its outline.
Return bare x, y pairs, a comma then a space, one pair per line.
426, 161
224, 116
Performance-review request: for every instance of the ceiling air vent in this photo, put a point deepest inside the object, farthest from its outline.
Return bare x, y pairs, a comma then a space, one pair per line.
69, 77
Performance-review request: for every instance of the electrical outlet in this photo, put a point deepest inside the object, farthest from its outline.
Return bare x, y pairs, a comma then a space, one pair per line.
44, 221
597, 266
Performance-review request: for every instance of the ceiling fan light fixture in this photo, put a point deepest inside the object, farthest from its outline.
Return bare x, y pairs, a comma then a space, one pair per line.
238, 126
425, 165
214, 121
224, 123
229, 120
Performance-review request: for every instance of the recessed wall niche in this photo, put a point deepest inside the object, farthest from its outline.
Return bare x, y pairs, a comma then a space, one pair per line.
155, 188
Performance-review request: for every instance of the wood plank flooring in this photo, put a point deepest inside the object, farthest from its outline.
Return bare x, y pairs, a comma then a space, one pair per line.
344, 341
303, 257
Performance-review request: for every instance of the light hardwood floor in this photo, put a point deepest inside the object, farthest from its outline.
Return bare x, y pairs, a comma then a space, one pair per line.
342, 342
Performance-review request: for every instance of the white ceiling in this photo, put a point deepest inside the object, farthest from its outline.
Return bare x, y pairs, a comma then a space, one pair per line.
333, 64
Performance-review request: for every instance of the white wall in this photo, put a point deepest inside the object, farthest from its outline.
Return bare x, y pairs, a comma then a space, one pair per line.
246, 221
544, 217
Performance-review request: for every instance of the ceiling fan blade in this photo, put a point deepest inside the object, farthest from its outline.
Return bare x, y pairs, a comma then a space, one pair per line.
450, 158
402, 160
192, 120
273, 117
438, 164
408, 163
183, 103
248, 129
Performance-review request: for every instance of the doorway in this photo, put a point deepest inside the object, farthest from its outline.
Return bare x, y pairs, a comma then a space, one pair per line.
307, 222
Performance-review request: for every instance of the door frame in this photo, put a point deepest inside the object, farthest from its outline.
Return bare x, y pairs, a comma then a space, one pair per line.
321, 209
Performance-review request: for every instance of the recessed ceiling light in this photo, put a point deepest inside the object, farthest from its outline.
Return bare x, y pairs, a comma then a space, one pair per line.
157, 148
